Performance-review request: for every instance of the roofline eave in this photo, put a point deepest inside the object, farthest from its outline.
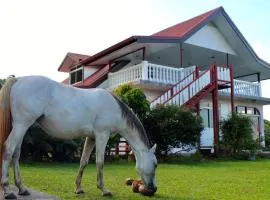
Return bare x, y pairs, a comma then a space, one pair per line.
245, 42
110, 49
60, 66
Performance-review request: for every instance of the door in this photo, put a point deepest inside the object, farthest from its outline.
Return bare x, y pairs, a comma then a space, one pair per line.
207, 135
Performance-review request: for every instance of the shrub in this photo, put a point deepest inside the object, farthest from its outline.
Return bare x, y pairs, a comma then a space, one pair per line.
134, 98
267, 133
237, 134
172, 127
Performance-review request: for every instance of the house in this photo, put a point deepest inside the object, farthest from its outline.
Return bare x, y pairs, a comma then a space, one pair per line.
203, 63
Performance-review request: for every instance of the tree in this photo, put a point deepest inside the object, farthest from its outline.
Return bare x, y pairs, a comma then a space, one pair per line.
172, 126
237, 133
134, 98
39, 146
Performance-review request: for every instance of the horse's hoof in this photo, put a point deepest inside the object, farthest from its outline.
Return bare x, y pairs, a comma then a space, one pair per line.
106, 193
24, 192
79, 191
10, 196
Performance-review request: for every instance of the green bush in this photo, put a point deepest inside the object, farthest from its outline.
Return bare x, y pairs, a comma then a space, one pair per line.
134, 98
237, 134
172, 126
267, 133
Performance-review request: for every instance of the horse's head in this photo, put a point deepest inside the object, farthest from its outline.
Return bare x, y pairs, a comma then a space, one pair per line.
146, 166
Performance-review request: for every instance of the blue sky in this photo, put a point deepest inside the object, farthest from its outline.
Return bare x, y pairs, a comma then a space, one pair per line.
36, 35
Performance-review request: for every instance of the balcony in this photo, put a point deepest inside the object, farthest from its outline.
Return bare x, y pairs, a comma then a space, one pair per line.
245, 88
153, 73
149, 72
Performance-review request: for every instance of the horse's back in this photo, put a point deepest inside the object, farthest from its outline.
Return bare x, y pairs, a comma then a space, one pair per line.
29, 95
63, 108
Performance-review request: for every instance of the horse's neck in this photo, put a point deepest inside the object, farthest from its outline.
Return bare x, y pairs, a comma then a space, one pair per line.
135, 141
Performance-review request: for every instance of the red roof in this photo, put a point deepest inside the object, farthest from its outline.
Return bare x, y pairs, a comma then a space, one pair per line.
71, 60
179, 31
184, 28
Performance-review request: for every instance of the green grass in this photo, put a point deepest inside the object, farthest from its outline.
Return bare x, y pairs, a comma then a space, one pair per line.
202, 181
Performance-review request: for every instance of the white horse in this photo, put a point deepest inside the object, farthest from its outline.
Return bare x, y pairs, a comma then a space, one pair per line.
67, 112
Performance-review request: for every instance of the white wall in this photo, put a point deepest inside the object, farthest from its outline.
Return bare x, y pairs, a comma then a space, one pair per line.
88, 71
151, 94
132, 63
210, 37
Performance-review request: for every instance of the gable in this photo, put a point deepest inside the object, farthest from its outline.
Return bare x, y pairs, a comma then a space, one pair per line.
210, 37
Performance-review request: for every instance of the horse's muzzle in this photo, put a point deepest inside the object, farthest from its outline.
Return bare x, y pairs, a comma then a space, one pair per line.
152, 188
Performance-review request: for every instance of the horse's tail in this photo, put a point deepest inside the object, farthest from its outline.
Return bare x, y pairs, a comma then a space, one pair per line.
5, 115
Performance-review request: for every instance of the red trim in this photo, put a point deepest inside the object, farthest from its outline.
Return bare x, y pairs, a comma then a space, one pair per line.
186, 85
109, 50
215, 106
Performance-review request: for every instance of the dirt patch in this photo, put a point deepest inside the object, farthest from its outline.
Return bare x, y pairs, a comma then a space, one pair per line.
35, 195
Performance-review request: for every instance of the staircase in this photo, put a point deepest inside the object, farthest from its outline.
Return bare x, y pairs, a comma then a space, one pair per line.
195, 86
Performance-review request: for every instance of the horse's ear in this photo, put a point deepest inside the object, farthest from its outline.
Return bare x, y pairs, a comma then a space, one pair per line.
153, 149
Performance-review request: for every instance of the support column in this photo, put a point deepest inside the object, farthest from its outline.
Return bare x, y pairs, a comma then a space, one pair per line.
232, 88
259, 77
215, 109
181, 55
197, 73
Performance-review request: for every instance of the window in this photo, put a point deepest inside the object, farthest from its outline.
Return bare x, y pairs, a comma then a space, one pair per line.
76, 76
247, 110
254, 115
250, 111
241, 109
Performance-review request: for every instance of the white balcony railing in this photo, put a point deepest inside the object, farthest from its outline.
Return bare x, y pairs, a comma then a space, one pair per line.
245, 88
149, 72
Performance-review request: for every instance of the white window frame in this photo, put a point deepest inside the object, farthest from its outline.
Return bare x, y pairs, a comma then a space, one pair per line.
74, 71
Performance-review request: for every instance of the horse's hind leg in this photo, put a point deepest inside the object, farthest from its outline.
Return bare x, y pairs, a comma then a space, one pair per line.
16, 169
87, 150
15, 138
101, 142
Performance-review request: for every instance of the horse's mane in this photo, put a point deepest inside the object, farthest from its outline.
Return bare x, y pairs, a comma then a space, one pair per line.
132, 120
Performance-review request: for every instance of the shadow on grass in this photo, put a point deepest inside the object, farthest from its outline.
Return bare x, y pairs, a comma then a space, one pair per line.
139, 196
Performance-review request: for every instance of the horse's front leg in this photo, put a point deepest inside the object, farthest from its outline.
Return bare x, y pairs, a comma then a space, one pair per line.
87, 150
101, 142
16, 169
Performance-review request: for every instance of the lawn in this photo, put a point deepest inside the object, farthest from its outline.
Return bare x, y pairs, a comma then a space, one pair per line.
201, 181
